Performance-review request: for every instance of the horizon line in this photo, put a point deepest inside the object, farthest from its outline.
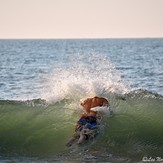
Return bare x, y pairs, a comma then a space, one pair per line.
78, 38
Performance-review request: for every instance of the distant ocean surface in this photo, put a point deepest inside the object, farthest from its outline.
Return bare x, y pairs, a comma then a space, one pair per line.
43, 81
26, 64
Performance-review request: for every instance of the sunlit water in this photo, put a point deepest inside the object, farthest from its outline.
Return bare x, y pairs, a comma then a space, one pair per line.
43, 81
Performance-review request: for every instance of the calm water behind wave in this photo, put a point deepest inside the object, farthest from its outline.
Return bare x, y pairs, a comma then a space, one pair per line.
25, 64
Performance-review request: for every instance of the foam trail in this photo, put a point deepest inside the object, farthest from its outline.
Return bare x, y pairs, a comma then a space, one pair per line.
82, 77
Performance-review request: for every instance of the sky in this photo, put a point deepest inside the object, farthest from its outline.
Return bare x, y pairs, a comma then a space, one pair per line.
81, 18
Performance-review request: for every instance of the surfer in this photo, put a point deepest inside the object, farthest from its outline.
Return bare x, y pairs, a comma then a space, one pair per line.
87, 125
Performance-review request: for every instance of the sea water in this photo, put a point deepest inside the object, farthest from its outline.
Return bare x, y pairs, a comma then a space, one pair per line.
43, 81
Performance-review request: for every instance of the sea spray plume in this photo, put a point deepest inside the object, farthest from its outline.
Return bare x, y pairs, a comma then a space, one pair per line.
83, 76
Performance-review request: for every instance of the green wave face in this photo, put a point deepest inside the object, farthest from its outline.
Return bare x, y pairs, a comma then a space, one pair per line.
35, 128
136, 129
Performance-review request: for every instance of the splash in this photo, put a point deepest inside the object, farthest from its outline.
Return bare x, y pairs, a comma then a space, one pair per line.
82, 76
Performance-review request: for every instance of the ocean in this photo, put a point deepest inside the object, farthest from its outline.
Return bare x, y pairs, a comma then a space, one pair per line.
43, 81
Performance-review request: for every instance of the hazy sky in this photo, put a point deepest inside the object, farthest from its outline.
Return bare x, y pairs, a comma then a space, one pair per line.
81, 18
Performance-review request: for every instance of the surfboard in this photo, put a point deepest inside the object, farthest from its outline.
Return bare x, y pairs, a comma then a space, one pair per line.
103, 109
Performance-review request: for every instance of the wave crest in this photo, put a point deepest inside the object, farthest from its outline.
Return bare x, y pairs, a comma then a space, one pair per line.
82, 77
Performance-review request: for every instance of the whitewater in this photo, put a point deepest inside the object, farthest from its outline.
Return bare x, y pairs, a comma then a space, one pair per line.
42, 83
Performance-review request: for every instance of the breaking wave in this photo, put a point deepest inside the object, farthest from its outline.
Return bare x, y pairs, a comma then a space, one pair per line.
41, 127
38, 128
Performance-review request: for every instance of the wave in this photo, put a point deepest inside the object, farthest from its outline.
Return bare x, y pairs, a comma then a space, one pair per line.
39, 128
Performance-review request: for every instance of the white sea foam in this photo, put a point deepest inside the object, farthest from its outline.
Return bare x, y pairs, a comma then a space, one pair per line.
83, 77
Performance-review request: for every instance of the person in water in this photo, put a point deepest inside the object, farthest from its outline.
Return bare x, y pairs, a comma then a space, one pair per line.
87, 125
